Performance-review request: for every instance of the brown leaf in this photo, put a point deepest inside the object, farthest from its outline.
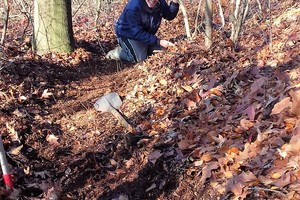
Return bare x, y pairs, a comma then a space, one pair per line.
163, 82
46, 94
154, 156
283, 181
145, 125
295, 102
237, 189
206, 171
281, 105
183, 144
128, 163
276, 175
159, 111
194, 96
293, 147
246, 124
250, 111
189, 104
52, 139
233, 150
206, 157
215, 91
257, 85
187, 88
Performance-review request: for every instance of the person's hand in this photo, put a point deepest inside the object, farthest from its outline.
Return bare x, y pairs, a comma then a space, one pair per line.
166, 44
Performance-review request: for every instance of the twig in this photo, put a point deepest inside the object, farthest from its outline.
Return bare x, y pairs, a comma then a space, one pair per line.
259, 5
100, 45
196, 20
166, 52
266, 189
23, 10
98, 12
78, 8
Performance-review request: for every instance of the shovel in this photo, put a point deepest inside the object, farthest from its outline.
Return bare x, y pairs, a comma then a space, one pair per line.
111, 103
4, 166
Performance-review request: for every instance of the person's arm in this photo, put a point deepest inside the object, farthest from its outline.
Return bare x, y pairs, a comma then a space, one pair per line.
170, 11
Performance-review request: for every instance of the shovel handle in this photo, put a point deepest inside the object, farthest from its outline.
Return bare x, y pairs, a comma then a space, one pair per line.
121, 119
5, 168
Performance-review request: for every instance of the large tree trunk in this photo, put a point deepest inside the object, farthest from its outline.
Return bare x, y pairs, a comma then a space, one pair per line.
53, 26
208, 23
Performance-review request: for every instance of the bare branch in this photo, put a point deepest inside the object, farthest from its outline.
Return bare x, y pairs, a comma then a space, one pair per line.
196, 20
221, 13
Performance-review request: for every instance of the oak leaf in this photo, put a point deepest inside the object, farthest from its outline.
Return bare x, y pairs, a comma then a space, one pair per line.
295, 102
52, 139
246, 124
206, 171
183, 144
46, 94
281, 105
154, 156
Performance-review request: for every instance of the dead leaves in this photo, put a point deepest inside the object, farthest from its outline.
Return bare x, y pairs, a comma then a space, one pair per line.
292, 103
231, 131
52, 139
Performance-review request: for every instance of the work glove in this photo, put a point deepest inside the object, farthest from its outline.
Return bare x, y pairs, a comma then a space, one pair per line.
166, 43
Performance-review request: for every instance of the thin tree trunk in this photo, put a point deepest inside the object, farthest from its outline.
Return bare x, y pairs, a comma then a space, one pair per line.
5, 21
259, 5
270, 26
208, 23
196, 20
98, 11
239, 16
185, 18
221, 13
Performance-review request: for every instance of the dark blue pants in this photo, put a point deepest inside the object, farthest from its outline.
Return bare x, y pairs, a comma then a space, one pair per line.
135, 51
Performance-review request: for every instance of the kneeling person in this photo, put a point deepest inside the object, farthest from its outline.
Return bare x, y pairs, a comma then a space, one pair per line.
137, 26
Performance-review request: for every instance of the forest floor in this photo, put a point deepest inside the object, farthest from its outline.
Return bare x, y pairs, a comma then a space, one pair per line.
211, 123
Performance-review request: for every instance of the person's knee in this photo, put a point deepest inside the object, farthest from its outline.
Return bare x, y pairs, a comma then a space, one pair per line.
141, 57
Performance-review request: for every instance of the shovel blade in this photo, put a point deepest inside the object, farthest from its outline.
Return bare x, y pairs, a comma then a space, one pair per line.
108, 102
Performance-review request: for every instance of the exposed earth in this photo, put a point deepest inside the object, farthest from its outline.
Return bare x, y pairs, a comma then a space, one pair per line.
217, 123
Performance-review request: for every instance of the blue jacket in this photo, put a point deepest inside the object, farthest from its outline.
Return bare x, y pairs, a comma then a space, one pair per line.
139, 22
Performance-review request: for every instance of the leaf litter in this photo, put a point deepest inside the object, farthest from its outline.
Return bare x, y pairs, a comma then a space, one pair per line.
214, 124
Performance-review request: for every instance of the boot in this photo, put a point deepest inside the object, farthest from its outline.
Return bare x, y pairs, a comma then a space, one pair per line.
114, 54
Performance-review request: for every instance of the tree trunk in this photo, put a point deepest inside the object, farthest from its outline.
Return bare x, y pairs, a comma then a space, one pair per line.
53, 26
185, 18
5, 21
208, 23
239, 15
